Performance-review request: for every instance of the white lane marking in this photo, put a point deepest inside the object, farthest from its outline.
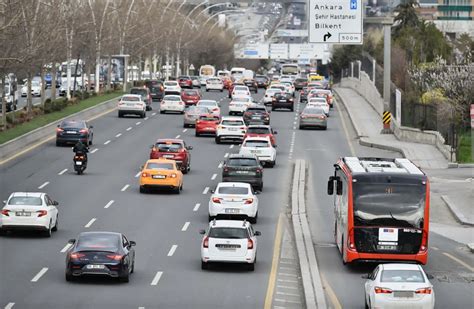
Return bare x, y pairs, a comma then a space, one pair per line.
40, 274
196, 207
146, 118
185, 226
294, 122
125, 188
178, 136
231, 146
294, 127
118, 135
172, 250
287, 301
88, 225
109, 203
288, 294
138, 123
213, 176
107, 142
287, 280
205, 190
43, 185
153, 114
129, 128
63, 171
226, 155
66, 247
95, 150
287, 287
157, 278
9, 306
138, 174
220, 165
185, 130
141, 307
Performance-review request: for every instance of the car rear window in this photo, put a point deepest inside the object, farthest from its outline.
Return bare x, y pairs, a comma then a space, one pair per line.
130, 99
241, 88
138, 91
258, 144
258, 130
313, 110
73, 124
190, 92
232, 122
233, 190
172, 98
207, 103
228, 232
242, 162
25, 200
101, 242
160, 166
169, 147
208, 118
256, 109
171, 83
240, 99
301, 80
402, 276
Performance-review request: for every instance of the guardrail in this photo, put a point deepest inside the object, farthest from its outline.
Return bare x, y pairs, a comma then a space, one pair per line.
312, 285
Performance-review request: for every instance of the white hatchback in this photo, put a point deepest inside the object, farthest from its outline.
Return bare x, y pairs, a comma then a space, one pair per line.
30, 211
231, 129
399, 286
229, 241
172, 87
131, 104
235, 200
319, 102
240, 90
239, 104
172, 103
214, 84
260, 147
212, 105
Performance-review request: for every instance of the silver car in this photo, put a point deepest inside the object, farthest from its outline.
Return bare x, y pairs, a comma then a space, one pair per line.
192, 113
313, 117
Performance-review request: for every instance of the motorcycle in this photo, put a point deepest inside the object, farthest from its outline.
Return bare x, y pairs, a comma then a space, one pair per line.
80, 163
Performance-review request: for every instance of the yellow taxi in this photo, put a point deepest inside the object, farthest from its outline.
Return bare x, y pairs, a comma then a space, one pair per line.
314, 77
161, 173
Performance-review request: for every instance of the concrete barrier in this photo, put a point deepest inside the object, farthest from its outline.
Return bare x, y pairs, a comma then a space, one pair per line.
32, 139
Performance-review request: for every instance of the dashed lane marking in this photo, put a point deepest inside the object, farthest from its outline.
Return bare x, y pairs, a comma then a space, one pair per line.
138, 123
226, 155
94, 150
109, 204
205, 190
220, 165
63, 171
107, 142
196, 207
137, 174
172, 250
185, 226
43, 185
178, 136
66, 247
153, 114
213, 176
9, 305
185, 130
157, 278
89, 224
118, 135
125, 188
40, 274
231, 146
129, 128
146, 118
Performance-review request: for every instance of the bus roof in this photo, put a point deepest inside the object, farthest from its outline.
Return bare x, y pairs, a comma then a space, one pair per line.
397, 166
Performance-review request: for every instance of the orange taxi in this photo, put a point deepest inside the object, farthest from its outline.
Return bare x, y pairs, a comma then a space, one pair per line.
161, 173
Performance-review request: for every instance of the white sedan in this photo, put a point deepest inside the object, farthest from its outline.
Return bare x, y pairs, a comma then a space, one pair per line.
319, 102
269, 94
35, 89
234, 199
214, 83
240, 90
229, 241
260, 147
29, 211
211, 105
399, 286
172, 103
238, 105
172, 87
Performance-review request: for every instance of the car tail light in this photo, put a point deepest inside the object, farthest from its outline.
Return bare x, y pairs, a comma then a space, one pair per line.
379, 290
215, 109
83, 131
5, 212
216, 200
423, 291
42, 213
205, 242
161, 88
115, 257
144, 174
76, 256
173, 175
259, 170
248, 201
242, 128
249, 244
198, 121
303, 116
226, 169
59, 130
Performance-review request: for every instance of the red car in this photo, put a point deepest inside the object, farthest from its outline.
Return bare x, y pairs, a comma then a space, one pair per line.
207, 124
173, 149
185, 82
190, 97
259, 130
227, 83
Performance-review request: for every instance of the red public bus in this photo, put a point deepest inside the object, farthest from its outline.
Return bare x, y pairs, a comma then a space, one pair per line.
381, 210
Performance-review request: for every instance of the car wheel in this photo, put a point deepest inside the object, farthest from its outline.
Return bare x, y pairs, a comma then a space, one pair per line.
292, 109
197, 134
177, 190
218, 140
185, 125
204, 265
69, 277
90, 141
325, 128
142, 189
251, 266
185, 170
58, 143
162, 112
48, 231
143, 115
222, 90
125, 278
366, 305
273, 163
120, 115
132, 270
254, 219
273, 108
301, 127
55, 228
210, 218
260, 188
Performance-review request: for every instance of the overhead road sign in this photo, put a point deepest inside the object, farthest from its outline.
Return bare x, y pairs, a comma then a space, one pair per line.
335, 21
252, 51
278, 51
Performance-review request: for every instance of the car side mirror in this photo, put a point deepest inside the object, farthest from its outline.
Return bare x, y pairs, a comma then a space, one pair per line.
55, 203
132, 243
257, 192
202, 232
141, 167
213, 191
275, 132
430, 276
366, 276
257, 233
330, 188
71, 241
189, 147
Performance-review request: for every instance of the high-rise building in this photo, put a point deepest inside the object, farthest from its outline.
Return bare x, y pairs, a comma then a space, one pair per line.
455, 10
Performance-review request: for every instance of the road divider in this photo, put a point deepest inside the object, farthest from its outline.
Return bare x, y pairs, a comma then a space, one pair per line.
312, 284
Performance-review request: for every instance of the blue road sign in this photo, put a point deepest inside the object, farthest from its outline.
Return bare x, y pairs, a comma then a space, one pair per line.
353, 4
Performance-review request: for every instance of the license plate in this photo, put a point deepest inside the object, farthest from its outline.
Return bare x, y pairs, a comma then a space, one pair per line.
23, 214
242, 172
283, 101
387, 247
78, 163
255, 117
406, 294
168, 156
71, 132
232, 211
233, 129
255, 151
95, 266
159, 176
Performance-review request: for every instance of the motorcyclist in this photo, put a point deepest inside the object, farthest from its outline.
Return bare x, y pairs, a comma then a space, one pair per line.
81, 149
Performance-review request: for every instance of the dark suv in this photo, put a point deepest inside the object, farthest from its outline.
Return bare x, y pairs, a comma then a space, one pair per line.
146, 96
157, 90
256, 114
243, 168
252, 84
282, 100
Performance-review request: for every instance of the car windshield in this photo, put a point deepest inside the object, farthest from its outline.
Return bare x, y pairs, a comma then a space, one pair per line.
242, 162
207, 103
257, 144
130, 99
25, 200
228, 232
160, 166
233, 190
169, 147
401, 275
99, 242
227, 122
258, 131
240, 88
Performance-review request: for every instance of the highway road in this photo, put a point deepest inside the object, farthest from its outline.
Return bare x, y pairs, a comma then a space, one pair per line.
165, 226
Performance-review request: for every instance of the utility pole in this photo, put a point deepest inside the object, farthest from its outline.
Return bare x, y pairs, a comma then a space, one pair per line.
387, 58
